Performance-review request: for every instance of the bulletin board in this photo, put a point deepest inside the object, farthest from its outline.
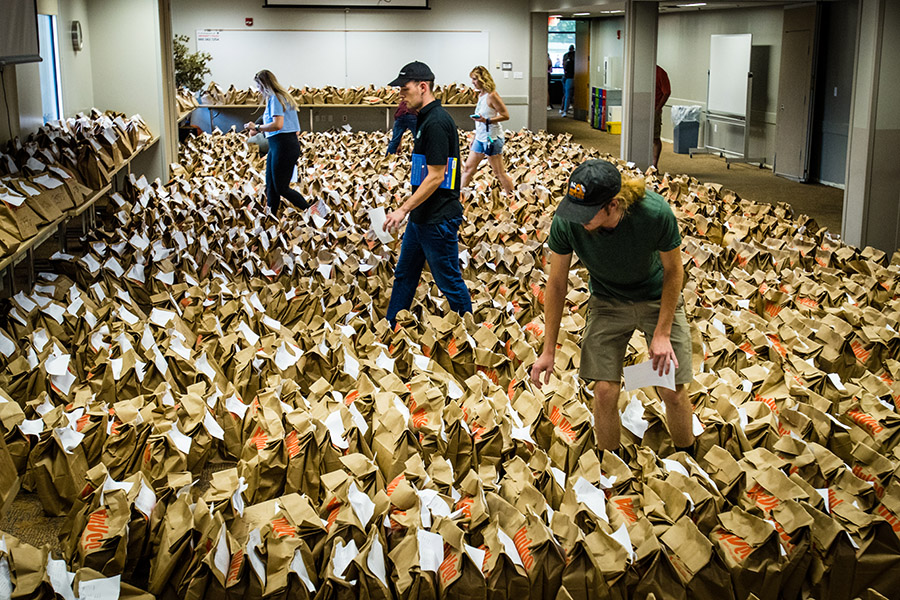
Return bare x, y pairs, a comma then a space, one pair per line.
340, 58
729, 64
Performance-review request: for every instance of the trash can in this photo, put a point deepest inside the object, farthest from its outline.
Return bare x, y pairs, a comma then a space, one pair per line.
686, 126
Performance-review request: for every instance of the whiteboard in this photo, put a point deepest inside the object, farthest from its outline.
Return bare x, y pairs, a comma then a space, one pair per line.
346, 3
729, 64
339, 58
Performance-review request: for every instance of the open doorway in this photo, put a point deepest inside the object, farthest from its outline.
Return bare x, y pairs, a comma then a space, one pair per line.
560, 35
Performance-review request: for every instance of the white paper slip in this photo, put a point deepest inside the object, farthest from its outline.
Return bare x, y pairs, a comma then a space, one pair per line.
431, 550
106, 588
377, 216
642, 375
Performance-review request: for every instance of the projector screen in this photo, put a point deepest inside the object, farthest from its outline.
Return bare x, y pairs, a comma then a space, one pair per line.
19, 33
349, 3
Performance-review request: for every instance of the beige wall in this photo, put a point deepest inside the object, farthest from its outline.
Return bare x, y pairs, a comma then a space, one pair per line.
75, 67
507, 22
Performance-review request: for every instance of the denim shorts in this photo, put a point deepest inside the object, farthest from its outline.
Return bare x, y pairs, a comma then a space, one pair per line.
488, 148
611, 323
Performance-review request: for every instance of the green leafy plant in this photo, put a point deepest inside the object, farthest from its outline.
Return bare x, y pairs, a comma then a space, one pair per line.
190, 67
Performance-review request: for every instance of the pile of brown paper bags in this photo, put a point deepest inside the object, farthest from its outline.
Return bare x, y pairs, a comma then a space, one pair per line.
56, 169
215, 401
450, 94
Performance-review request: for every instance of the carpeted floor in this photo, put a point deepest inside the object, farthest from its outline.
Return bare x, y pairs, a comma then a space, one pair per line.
823, 203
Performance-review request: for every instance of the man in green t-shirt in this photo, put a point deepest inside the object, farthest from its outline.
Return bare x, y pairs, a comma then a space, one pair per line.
627, 238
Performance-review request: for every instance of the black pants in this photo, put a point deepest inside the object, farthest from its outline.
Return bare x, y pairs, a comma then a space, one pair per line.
284, 150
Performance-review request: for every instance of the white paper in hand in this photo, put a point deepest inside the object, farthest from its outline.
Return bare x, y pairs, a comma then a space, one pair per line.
377, 217
642, 375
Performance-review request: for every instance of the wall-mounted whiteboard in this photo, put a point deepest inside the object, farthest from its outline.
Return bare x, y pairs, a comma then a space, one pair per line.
729, 65
351, 3
339, 58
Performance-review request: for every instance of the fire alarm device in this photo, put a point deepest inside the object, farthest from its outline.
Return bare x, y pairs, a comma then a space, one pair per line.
248, 21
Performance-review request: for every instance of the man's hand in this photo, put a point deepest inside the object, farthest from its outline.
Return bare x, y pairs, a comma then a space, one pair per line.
662, 354
393, 220
543, 365
250, 126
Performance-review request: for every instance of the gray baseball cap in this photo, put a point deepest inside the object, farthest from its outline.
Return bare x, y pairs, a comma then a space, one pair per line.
592, 185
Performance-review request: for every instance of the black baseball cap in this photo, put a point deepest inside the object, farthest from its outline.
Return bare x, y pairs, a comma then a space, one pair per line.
592, 185
414, 71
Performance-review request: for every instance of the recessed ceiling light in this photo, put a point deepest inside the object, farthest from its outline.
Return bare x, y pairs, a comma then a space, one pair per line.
611, 12
691, 5
556, 16
581, 14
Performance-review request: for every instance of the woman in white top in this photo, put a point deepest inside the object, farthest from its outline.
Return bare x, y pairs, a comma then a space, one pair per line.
488, 141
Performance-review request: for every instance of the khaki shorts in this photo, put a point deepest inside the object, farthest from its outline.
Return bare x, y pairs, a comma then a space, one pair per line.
611, 323
657, 125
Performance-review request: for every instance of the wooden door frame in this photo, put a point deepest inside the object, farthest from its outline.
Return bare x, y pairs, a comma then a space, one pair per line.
581, 101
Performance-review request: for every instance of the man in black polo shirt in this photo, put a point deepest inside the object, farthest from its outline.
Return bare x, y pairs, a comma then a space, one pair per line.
434, 210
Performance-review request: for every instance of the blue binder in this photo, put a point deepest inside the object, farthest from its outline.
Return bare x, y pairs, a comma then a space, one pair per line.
419, 170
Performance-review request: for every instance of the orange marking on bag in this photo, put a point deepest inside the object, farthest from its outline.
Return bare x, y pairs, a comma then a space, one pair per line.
736, 546
833, 500
234, 569
426, 351
509, 350
862, 355
491, 374
537, 292
770, 402
523, 544
557, 418
886, 378
96, 528
82, 422
776, 343
487, 559
809, 302
465, 505
773, 309
865, 421
281, 527
746, 347
786, 542
292, 442
535, 328
419, 418
763, 499
259, 438
393, 484
511, 390
882, 511
449, 569
452, 350
626, 507
351, 397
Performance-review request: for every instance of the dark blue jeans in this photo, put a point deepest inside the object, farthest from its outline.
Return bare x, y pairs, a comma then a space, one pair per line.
401, 124
439, 245
568, 92
284, 150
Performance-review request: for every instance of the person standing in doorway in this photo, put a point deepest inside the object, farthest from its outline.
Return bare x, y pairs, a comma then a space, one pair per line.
488, 141
404, 119
281, 126
627, 237
663, 91
568, 80
434, 210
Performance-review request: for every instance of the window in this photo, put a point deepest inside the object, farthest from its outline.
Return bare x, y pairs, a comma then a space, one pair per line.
559, 38
51, 92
